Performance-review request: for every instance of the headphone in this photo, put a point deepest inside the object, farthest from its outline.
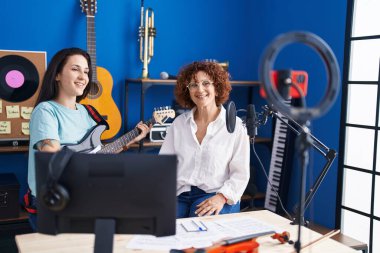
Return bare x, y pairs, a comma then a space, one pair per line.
53, 195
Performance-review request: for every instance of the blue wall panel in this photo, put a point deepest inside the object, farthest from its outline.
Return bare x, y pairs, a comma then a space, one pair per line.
327, 20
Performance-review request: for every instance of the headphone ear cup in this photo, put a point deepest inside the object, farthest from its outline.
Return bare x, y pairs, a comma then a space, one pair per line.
55, 198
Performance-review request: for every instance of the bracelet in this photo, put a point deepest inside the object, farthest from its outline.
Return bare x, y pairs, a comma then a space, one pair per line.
224, 197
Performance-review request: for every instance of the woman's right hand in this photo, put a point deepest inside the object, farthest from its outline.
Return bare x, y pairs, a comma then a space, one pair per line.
211, 205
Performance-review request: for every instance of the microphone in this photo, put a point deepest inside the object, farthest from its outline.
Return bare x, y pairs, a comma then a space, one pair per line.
251, 121
231, 116
165, 75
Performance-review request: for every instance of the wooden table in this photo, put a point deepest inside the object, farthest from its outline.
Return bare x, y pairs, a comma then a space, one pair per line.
83, 243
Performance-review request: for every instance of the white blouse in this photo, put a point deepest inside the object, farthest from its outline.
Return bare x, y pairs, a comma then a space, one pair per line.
219, 164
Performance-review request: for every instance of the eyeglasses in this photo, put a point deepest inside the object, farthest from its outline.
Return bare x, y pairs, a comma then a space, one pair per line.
195, 86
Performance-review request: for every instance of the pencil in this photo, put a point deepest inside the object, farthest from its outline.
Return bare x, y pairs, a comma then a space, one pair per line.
322, 238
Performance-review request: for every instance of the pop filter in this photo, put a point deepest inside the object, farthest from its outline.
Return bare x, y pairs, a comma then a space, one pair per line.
231, 116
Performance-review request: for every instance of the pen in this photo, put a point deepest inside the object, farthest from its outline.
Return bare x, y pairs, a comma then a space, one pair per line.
205, 228
199, 227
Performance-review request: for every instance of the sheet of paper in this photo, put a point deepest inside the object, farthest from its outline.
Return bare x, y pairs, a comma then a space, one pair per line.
25, 128
154, 243
217, 231
244, 226
157, 243
5, 127
26, 112
200, 239
182, 240
13, 111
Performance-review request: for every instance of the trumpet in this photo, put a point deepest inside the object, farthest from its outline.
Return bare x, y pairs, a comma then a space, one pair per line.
147, 33
224, 64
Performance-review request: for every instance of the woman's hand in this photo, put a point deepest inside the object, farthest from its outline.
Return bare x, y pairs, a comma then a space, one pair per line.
144, 130
211, 205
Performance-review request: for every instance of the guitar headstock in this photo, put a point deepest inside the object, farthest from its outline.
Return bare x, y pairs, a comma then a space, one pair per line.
163, 114
89, 7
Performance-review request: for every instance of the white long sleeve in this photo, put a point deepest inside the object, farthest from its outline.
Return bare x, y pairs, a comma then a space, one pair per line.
219, 164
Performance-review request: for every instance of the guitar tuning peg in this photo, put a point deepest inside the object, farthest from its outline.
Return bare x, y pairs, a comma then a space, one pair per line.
154, 109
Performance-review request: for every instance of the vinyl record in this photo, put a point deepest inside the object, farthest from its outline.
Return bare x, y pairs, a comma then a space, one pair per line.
18, 78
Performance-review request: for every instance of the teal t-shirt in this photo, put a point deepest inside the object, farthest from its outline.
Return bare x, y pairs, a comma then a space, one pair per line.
51, 120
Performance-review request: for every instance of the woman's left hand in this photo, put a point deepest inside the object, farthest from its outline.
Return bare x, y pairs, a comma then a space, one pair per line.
211, 205
144, 130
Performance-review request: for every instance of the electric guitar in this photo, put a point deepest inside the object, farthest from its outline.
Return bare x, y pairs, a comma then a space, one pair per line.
91, 142
100, 96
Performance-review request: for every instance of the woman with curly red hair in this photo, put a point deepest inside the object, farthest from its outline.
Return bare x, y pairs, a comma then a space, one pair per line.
213, 164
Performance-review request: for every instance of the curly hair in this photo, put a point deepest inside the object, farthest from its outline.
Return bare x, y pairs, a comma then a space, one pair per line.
218, 75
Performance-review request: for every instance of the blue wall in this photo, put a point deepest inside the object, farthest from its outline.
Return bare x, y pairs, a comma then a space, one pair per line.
235, 31
327, 20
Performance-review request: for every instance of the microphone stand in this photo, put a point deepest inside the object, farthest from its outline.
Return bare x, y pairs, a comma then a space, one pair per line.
304, 141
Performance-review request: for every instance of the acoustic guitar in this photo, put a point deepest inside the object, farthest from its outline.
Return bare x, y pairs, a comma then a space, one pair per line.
91, 142
100, 96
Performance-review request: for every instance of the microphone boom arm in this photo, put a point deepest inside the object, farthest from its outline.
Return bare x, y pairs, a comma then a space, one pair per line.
329, 154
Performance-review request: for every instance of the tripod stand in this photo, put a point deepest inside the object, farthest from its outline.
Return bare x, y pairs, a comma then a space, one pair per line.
304, 141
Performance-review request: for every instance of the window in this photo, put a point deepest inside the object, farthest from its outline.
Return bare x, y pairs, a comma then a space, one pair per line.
359, 165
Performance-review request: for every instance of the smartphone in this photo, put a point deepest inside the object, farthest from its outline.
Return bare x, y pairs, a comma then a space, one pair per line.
299, 77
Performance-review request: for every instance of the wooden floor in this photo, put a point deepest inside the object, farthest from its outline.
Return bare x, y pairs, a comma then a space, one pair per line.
8, 244
11, 227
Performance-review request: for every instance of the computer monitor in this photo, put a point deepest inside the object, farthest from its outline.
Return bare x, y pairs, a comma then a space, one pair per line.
110, 193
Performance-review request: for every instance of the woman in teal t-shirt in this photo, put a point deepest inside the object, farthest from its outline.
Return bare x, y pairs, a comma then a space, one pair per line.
58, 118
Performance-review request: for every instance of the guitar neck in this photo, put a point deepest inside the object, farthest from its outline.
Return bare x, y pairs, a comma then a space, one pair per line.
91, 44
116, 146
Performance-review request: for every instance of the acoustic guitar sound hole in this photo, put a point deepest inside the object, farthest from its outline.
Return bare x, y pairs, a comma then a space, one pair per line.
95, 91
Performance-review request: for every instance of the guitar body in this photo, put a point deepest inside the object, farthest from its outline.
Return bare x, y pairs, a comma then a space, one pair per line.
102, 100
90, 141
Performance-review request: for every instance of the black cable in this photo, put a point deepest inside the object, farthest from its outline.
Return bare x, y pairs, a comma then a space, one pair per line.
266, 175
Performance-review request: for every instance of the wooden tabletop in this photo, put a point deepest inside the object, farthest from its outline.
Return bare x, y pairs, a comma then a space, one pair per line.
33, 243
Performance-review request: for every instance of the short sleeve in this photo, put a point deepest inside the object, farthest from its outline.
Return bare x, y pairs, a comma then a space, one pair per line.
43, 125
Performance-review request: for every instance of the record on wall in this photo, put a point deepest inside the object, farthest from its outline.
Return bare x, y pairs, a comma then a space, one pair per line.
21, 73
19, 78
